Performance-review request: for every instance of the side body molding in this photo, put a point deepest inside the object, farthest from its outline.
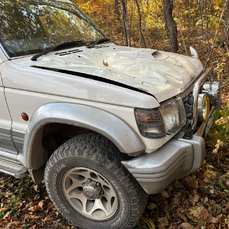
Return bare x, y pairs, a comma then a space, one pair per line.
107, 124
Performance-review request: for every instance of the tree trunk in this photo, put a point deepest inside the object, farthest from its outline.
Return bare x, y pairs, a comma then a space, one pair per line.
171, 24
125, 22
140, 24
224, 36
117, 12
145, 27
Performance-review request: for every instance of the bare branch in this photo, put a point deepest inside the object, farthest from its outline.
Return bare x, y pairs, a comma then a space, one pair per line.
216, 33
178, 21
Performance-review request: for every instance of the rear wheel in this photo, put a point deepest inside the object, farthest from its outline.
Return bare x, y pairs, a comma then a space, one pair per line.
89, 186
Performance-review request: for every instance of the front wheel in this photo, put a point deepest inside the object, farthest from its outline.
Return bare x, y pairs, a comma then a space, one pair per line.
89, 186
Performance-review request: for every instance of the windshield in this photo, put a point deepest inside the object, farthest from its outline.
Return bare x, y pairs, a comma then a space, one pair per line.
28, 27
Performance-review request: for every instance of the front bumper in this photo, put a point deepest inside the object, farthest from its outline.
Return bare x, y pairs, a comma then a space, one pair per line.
175, 159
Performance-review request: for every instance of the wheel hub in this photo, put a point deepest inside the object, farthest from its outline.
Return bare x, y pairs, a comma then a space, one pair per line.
90, 193
92, 189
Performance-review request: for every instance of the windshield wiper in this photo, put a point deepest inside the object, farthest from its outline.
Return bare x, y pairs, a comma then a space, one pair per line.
92, 44
55, 47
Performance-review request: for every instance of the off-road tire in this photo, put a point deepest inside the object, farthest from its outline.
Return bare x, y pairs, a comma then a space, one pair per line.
95, 153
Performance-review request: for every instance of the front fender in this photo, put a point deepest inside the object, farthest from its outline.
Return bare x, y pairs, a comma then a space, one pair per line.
100, 121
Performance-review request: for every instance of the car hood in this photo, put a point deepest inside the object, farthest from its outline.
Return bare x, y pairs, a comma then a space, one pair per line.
161, 74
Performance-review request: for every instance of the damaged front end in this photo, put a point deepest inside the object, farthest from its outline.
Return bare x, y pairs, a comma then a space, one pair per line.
185, 152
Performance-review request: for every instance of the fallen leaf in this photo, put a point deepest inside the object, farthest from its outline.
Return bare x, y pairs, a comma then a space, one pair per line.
181, 216
34, 209
196, 198
195, 211
204, 214
50, 206
35, 187
186, 225
13, 225
212, 202
4, 209
212, 191
227, 205
104, 63
48, 218
36, 226
31, 217
31, 204
7, 216
41, 205
165, 194
163, 221
151, 206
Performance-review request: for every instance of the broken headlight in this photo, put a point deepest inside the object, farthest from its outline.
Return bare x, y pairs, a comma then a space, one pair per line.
156, 123
174, 116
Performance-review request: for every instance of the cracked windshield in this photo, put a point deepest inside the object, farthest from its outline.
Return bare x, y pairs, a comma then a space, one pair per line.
27, 28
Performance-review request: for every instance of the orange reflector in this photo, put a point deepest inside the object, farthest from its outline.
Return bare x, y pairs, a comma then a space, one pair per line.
24, 116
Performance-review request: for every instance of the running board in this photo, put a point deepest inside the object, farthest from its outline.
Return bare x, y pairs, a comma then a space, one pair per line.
12, 168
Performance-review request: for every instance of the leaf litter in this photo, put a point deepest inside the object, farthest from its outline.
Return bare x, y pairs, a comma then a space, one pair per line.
26, 205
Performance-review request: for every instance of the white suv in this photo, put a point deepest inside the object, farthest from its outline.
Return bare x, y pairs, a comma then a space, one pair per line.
104, 125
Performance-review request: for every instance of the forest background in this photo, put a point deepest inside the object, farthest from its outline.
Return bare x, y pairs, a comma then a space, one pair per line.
200, 200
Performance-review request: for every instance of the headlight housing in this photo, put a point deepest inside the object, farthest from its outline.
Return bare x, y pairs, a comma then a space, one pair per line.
150, 123
174, 116
156, 123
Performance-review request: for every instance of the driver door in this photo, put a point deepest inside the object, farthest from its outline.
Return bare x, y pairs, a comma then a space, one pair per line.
6, 143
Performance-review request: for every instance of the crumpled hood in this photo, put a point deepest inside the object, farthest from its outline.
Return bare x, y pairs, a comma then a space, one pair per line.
161, 74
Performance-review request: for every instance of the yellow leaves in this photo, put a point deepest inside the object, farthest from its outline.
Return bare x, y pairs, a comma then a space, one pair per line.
34, 209
205, 172
222, 64
217, 146
220, 143
215, 22
211, 41
209, 175
221, 121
